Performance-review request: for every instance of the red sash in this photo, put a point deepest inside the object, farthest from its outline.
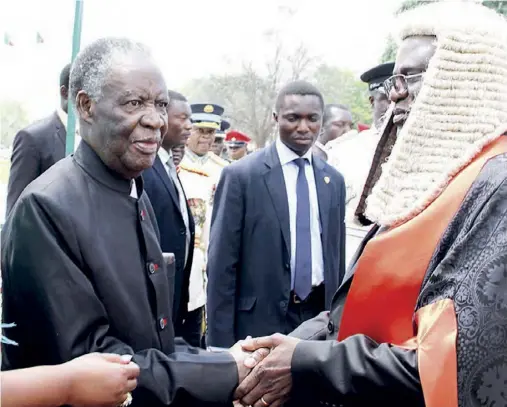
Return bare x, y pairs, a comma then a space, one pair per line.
387, 283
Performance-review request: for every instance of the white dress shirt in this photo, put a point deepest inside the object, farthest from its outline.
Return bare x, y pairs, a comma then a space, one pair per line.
167, 160
290, 174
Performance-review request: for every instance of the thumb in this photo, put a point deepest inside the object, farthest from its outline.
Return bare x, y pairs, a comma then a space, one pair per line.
112, 357
256, 357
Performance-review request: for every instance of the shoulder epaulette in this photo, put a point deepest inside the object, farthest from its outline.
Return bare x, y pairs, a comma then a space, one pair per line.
219, 160
191, 169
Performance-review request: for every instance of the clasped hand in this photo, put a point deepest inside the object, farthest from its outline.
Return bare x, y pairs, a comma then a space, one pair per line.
264, 369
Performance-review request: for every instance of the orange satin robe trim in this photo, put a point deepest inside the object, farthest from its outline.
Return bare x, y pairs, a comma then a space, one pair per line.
387, 281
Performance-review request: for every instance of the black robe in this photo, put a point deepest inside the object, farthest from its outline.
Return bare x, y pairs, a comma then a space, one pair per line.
83, 272
469, 266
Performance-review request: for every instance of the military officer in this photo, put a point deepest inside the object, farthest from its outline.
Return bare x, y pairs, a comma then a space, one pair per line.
218, 147
206, 120
237, 144
199, 171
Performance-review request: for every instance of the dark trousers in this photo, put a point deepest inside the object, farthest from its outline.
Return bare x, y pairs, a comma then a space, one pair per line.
190, 328
301, 311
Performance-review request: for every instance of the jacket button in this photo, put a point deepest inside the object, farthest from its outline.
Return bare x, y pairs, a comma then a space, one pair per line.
183, 232
287, 266
330, 327
162, 323
152, 268
283, 304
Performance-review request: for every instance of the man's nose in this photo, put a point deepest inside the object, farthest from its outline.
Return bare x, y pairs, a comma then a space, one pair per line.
153, 118
303, 127
397, 95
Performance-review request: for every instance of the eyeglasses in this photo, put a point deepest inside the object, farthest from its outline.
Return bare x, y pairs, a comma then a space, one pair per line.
401, 83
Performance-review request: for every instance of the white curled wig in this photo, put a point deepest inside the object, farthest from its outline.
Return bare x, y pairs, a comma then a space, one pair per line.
461, 107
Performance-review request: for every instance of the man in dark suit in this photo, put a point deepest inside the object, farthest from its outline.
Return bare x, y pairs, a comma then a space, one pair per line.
173, 215
277, 242
38, 146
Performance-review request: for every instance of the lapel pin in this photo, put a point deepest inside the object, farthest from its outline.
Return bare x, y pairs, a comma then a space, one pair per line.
326, 180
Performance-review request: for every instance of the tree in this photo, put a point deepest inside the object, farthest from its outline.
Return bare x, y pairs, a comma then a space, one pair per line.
342, 86
391, 48
249, 97
13, 117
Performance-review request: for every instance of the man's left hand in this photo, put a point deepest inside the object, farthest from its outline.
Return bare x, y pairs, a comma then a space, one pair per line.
270, 382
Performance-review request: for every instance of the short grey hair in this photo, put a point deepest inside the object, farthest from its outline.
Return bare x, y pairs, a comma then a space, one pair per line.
94, 63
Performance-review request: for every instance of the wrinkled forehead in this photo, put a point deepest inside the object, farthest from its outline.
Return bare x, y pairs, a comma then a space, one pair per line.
135, 76
414, 54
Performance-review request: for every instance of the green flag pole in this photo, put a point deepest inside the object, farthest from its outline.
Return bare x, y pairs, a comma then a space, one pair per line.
76, 44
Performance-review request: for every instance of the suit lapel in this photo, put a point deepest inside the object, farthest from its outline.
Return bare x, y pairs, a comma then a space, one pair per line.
324, 194
60, 129
275, 183
168, 183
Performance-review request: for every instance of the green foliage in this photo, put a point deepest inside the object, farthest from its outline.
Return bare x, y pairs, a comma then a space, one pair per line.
13, 117
342, 86
390, 50
499, 6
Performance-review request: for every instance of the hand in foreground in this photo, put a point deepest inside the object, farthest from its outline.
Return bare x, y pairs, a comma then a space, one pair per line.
270, 382
246, 360
100, 379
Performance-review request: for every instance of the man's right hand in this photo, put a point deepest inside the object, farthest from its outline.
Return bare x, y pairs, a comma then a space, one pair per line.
99, 379
246, 361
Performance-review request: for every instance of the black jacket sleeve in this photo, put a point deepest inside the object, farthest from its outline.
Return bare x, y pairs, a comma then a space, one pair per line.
25, 166
40, 279
355, 372
313, 329
223, 259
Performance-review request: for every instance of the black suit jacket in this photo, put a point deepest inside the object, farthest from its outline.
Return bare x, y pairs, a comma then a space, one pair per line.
35, 149
83, 272
249, 276
164, 199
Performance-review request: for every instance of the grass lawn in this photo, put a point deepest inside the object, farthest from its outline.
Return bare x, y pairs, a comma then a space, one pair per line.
4, 170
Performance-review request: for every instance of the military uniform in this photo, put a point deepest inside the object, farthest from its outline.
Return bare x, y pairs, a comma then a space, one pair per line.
235, 141
199, 192
199, 176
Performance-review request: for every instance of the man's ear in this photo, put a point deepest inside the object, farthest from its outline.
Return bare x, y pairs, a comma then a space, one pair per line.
64, 92
85, 106
371, 100
275, 117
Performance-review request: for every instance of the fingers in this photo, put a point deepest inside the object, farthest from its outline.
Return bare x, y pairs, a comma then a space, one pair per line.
255, 395
256, 343
131, 385
111, 357
126, 358
247, 384
256, 357
132, 370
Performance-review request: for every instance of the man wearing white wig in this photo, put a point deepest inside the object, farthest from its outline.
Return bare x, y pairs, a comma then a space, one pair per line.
421, 317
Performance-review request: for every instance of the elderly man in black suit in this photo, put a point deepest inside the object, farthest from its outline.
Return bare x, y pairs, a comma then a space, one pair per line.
81, 259
277, 242
174, 218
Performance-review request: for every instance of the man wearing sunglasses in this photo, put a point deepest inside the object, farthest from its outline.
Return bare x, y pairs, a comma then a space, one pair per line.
421, 316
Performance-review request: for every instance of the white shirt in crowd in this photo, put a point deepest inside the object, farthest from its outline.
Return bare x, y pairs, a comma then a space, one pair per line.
290, 174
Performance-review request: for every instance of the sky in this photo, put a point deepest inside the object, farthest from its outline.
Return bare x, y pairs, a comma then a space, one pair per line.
189, 39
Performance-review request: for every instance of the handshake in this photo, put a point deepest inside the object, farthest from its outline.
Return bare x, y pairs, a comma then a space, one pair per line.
264, 370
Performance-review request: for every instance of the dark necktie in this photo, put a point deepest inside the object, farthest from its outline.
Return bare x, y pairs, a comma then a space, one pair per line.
303, 268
